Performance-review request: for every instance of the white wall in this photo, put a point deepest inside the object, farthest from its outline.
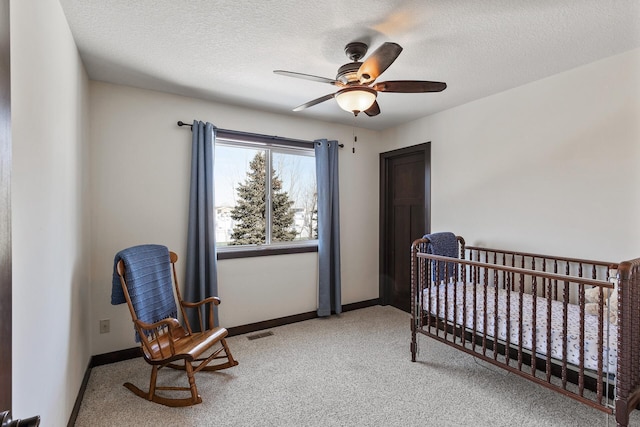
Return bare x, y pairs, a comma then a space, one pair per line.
140, 162
550, 167
49, 101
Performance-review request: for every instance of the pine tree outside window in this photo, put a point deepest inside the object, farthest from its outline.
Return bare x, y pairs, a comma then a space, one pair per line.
255, 209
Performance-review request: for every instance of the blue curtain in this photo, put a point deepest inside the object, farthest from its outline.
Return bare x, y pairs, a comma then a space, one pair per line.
329, 294
201, 264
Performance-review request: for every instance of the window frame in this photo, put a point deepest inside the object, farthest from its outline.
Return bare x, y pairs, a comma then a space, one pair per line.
270, 145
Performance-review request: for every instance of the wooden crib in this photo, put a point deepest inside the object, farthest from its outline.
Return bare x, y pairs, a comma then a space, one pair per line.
489, 302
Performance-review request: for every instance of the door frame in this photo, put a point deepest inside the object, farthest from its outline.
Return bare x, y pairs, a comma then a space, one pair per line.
385, 158
5, 209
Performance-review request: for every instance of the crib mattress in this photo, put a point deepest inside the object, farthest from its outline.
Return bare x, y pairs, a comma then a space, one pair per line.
610, 351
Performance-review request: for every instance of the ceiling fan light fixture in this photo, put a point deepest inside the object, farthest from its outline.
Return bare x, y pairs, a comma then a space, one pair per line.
356, 80
356, 99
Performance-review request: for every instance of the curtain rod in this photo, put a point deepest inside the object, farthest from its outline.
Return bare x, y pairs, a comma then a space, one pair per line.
257, 136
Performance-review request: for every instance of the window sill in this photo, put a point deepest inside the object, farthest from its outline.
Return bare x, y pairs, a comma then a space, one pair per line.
267, 251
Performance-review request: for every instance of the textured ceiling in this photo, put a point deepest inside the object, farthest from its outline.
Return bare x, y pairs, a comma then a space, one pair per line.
226, 51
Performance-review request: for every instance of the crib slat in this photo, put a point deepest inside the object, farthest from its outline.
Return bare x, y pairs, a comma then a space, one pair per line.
446, 297
600, 341
495, 310
508, 339
463, 336
634, 329
548, 367
534, 321
544, 268
484, 326
426, 272
555, 282
475, 307
581, 355
520, 303
565, 327
455, 302
504, 262
423, 282
626, 355
438, 316
580, 270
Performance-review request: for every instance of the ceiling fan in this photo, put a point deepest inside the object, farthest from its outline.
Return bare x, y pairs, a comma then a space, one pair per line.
356, 80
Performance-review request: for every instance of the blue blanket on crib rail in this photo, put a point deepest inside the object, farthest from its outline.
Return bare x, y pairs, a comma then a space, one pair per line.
443, 244
148, 277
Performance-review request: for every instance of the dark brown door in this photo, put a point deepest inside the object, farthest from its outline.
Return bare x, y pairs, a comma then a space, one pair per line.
404, 217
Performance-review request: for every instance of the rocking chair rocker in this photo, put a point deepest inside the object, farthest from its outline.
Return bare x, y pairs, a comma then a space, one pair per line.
143, 275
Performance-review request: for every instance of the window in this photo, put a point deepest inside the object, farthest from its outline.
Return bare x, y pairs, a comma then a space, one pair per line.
256, 210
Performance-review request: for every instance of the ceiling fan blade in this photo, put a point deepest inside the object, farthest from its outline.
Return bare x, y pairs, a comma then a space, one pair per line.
314, 102
309, 77
374, 110
409, 86
378, 61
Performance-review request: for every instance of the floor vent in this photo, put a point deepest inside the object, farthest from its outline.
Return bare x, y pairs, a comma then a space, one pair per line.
259, 335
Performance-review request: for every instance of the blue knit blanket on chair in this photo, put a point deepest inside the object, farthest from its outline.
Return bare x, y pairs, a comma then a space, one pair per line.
148, 277
443, 244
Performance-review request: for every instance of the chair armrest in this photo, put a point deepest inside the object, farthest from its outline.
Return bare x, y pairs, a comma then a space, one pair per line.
170, 323
203, 323
213, 300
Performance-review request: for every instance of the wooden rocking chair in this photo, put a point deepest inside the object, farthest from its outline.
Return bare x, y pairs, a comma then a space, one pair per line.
144, 273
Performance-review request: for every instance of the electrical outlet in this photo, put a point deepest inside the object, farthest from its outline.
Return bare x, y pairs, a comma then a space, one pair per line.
105, 326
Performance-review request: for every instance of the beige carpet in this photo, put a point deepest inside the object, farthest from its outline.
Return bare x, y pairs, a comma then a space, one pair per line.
349, 370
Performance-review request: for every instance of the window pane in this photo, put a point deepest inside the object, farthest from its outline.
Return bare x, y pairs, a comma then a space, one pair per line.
240, 195
249, 211
294, 199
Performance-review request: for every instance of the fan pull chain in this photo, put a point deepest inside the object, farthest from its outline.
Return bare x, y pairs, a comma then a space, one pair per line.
355, 137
